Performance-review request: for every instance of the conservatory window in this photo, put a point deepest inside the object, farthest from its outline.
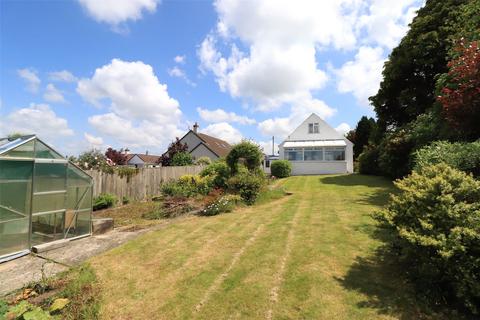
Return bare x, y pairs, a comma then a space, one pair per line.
334, 154
313, 154
294, 154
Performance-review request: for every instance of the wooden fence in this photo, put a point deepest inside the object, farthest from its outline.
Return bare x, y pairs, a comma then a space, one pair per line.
145, 183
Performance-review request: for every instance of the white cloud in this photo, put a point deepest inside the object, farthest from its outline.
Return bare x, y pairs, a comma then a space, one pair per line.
220, 115
386, 21
31, 78
37, 119
343, 128
93, 142
52, 94
116, 12
281, 127
180, 59
362, 76
282, 38
142, 114
223, 131
62, 76
179, 73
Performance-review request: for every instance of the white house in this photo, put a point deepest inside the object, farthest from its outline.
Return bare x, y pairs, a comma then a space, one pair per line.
317, 148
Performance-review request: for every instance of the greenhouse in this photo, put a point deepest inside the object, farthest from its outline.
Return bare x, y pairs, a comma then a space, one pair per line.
43, 196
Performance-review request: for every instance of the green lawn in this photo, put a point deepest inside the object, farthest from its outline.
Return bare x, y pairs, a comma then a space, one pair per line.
311, 255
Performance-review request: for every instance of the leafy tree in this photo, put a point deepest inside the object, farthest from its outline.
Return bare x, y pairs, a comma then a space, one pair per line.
460, 95
409, 76
94, 159
363, 132
182, 159
117, 157
174, 148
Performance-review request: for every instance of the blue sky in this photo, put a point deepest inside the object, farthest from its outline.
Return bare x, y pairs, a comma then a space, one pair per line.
91, 74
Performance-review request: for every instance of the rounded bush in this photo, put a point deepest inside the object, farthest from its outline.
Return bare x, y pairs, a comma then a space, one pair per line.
203, 161
182, 159
247, 185
248, 152
281, 168
435, 222
218, 172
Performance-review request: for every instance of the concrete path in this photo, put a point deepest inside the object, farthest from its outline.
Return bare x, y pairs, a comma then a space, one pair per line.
17, 273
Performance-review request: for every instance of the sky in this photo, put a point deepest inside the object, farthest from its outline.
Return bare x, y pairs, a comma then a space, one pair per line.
138, 73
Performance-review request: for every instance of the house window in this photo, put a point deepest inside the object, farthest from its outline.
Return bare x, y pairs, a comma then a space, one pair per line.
294, 154
334, 154
313, 154
313, 127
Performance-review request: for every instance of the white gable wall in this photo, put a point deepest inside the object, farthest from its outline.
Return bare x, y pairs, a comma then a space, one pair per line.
325, 131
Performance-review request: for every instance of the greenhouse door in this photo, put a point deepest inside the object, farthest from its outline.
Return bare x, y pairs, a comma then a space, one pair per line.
49, 200
15, 193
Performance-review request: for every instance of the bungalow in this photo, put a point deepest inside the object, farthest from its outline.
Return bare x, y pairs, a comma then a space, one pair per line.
317, 148
139, 160
202, 145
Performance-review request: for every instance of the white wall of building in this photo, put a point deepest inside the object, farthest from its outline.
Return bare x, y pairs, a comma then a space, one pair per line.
326, 132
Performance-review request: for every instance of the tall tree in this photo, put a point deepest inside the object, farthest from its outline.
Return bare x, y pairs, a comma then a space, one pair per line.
408, 86
363, 132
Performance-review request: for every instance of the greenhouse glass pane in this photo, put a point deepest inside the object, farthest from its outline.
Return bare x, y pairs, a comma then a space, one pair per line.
25, 150
13, 236
77, 177
43, 151
79, 197
48, 202
47, 227
15, 189
83, 223
50, 177
15, 194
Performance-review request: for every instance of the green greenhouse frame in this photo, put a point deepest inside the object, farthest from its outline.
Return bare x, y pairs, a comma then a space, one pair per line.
43, 197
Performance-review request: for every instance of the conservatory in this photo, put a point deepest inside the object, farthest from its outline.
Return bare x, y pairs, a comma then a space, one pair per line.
43, 196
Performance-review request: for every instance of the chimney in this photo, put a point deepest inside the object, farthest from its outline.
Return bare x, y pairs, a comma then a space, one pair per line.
146, 152
195, 127
126, 151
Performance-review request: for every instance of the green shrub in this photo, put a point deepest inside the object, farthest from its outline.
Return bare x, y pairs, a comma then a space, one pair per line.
187, 186
435, 222
127, 172
281, 168
462, 156
248, 153
247, 185
104, 201
219, 172
3, 308
203, 161
182, 159
368, 161
224, 204
125, 200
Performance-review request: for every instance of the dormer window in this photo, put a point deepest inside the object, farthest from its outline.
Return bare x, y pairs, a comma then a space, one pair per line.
313, 127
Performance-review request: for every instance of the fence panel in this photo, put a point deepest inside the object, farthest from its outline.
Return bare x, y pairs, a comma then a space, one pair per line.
144, 184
